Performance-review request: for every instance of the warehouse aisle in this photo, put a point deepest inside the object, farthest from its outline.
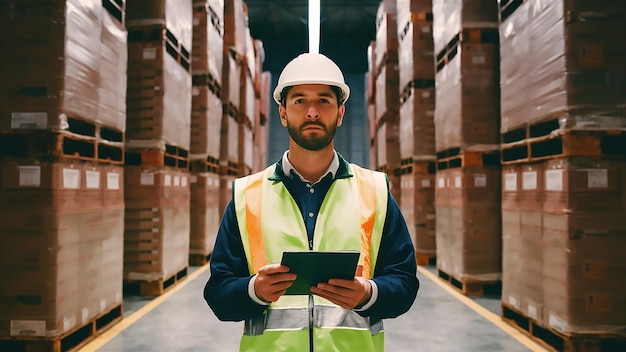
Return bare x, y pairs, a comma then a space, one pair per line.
180, 320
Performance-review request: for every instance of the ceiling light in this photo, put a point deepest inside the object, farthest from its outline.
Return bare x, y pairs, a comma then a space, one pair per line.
314, 26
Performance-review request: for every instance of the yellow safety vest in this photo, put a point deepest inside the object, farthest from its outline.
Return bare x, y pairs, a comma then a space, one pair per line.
351, 217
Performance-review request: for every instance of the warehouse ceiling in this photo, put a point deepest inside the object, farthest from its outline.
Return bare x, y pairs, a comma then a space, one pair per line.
347, 28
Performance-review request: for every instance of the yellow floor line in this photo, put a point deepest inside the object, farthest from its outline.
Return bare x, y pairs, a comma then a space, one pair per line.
493, 318
107, 336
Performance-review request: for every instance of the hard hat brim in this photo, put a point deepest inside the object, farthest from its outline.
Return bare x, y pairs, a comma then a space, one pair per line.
344, 87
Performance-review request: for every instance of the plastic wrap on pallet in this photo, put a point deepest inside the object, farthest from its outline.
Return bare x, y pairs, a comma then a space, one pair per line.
417, 129
175, 15
113, 78
229, 139
576, 73
451, 16
156, 230
250, 57
467, 98
265, 101
387, 89
206, 118
208, 42
259, 58
370, 86
231, 77
159, 106
62, 260
53, 70
415, 53
406, 8
386, 31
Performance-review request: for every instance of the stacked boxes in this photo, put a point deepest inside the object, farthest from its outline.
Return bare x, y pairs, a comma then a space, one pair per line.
387, 99
417, 130
156, 226
562, 134
467, 139
157, 194
62, 126
234, 54
206, 118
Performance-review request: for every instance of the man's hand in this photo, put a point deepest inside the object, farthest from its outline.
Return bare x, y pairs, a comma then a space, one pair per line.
347, 294
272, 281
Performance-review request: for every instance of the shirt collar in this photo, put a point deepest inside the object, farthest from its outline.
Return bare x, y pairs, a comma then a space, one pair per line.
287, 167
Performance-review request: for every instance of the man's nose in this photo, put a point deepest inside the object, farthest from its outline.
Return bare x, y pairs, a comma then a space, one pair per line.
312, 112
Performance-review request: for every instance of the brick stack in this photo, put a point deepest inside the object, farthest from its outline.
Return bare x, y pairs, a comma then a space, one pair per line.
206, 117
387, 100
62, 124
467, 141
417, 130
563, 145
156, 234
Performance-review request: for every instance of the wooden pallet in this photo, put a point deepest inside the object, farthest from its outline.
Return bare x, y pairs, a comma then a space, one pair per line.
470, 287
556, 341
565, 143
70, 341
425, 259
209, 164
156, 287
411, 166
171, 156
457, 158
82, 140
197, 259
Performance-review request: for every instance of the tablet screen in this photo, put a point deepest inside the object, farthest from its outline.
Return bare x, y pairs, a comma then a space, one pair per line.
313, 267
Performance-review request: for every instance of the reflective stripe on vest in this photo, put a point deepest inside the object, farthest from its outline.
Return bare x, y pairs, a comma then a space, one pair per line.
324, 316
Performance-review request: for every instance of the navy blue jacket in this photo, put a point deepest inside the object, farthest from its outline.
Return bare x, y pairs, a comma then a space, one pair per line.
226, 291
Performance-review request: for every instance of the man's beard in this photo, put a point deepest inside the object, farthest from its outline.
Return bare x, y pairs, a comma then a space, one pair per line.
315, 141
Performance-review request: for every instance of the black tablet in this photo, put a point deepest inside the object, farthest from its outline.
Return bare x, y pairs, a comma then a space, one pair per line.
313, 267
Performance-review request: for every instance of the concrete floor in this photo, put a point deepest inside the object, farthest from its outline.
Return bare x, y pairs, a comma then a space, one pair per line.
181, 321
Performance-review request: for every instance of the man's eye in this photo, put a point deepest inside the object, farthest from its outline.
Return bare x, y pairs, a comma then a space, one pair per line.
325, 101
298, 101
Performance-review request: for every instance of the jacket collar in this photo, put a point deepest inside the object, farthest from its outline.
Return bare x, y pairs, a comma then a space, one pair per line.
342, 172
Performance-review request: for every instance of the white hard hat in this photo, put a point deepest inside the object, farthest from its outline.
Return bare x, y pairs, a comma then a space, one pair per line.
311, 68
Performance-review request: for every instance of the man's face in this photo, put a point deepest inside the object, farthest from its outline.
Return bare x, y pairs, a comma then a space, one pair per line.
311, 115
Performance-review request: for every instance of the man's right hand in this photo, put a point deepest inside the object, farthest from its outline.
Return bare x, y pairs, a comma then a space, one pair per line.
272, 281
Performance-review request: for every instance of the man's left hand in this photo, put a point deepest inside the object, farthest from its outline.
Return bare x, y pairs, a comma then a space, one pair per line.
347, 294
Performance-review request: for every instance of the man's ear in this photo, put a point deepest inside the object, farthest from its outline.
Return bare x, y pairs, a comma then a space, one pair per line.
340, 114
283, 115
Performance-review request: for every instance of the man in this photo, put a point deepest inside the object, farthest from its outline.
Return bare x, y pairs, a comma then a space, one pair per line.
311, 199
